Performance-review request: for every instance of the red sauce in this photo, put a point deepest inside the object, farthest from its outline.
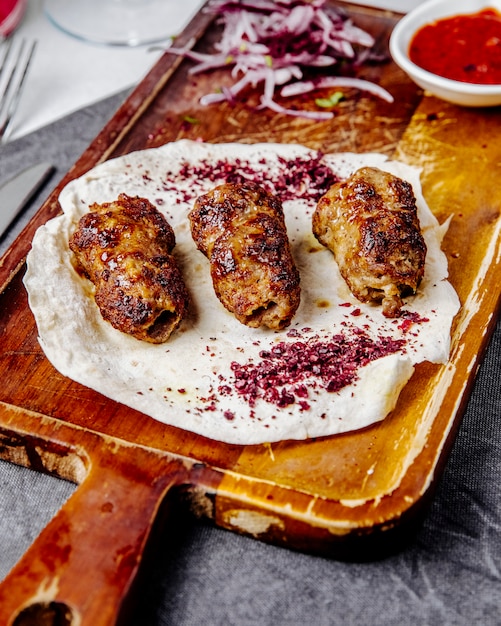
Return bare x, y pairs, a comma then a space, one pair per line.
466, 48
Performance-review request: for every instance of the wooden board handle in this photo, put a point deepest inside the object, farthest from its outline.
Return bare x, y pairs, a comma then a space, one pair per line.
79, 570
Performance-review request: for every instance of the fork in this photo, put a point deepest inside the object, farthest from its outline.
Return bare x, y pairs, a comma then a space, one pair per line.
14, 64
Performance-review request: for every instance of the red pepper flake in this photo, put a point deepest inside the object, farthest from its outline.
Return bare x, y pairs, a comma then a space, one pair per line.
285, 371
181, 390
356, 312
406, 325
409, 318
301, 391
229, 415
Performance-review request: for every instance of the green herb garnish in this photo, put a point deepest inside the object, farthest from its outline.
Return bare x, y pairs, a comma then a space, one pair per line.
332, 101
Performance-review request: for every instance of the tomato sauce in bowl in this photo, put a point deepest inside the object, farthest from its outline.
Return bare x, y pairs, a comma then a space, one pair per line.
465, 48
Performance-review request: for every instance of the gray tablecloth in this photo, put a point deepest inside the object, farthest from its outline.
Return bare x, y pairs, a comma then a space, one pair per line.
450, 573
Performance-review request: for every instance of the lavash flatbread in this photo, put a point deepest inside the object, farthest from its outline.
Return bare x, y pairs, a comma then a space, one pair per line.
188, 382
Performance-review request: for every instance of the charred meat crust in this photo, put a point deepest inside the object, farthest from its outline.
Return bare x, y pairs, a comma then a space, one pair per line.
241, 229
124, 247
370, 223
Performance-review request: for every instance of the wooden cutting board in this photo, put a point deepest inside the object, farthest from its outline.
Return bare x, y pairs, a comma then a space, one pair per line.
347, 496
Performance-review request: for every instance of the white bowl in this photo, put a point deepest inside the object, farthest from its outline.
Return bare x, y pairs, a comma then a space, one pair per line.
457, 92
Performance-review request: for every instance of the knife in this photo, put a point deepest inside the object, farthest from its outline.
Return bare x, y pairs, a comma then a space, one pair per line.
19, 190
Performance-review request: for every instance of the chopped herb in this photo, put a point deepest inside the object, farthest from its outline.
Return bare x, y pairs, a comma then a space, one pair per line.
332, 101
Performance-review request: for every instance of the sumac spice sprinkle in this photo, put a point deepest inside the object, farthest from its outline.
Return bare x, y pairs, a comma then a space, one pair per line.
409, 318
281, 375
306, 177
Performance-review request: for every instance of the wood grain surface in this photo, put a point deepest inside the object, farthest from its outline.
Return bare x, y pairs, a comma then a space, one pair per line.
348, 496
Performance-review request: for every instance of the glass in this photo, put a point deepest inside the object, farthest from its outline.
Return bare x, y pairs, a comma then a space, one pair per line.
112, 22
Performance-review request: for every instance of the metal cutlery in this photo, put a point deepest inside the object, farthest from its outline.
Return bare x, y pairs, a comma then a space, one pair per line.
16, 193
15, 60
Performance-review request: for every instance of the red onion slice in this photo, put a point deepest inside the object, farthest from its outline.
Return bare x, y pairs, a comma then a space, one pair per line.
271, 44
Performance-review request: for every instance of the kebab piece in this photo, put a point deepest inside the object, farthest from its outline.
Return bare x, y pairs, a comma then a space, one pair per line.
124, 247
370, 223
241, 229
